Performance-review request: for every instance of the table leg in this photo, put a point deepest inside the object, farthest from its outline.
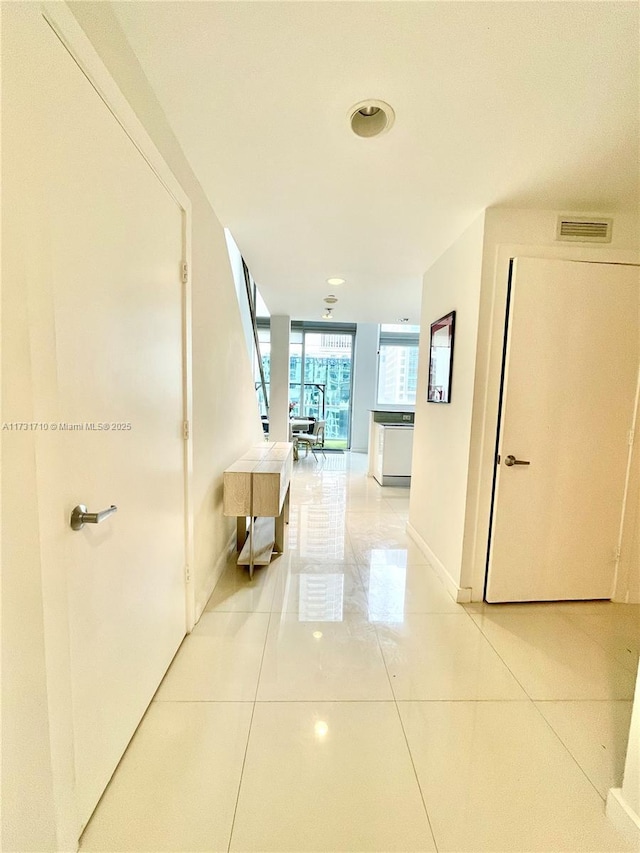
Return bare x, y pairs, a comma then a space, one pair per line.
251, 554
280, 522
241, 532
279, 532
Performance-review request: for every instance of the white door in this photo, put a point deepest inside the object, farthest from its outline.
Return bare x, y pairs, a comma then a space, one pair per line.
570, 371
101, 249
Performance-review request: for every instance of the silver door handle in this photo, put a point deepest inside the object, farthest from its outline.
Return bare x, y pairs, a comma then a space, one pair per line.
80, 516
511, 460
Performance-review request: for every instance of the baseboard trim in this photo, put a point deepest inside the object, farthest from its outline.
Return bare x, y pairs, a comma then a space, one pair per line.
459, 593
214, 577
389, 480
625, 820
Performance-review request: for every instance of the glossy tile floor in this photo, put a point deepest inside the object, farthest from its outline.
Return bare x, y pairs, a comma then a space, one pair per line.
341, 701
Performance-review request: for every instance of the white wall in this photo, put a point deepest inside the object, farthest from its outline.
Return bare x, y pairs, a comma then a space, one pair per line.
279, 384
37, 754
29, 819
442, 432
628, 573
365, 373
623, 804
631, 778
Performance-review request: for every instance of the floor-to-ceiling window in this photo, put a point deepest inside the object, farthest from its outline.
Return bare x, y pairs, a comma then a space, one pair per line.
320, 375
327, 383
264, 338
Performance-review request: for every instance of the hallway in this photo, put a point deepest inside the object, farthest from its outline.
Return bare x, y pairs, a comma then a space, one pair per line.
343, 702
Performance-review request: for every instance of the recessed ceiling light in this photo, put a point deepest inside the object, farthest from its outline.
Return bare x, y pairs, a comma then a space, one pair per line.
320, 728
371, 118
335, 281
331, 299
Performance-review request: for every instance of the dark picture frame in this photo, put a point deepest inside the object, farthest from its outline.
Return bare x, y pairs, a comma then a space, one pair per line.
441, 359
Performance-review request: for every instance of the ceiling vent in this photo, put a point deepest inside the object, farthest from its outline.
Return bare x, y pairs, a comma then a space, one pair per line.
584, 229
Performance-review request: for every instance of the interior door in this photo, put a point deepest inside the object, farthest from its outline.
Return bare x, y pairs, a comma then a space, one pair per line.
570, 369
101, 250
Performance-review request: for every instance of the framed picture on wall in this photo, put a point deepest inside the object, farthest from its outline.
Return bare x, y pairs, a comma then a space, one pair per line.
441, 359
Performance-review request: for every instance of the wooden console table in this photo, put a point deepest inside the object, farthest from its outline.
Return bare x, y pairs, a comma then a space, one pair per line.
256, 487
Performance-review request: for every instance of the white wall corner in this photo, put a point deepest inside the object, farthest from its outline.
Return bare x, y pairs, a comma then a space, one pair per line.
442, 434
622, 816
460, 594
365, 369
215, 575
279, 385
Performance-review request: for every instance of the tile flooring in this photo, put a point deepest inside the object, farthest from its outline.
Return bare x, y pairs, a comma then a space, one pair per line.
341, 701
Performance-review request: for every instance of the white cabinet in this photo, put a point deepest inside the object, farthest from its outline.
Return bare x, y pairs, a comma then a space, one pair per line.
392, 452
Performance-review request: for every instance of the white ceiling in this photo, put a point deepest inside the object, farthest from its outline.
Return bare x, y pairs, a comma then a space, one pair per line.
525, 104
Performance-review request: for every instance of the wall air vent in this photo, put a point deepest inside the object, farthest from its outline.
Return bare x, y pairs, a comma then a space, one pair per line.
584, 229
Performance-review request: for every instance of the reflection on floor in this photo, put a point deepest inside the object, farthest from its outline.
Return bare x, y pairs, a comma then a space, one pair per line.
341, 701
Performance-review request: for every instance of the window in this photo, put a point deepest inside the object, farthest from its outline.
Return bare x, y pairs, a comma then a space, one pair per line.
327, 383
264, 337
398, 365
319, 375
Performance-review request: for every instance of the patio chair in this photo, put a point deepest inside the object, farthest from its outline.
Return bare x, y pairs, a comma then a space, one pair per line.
314, 440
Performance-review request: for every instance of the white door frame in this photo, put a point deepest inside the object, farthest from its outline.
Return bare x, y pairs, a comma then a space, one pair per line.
487, 394
54, 600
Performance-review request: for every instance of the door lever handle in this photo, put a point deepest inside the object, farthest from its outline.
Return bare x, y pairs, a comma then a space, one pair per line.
511, 460
80, 516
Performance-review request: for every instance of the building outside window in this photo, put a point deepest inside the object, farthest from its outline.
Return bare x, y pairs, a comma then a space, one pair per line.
398, 365
327, 383
264, 337
320, 374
